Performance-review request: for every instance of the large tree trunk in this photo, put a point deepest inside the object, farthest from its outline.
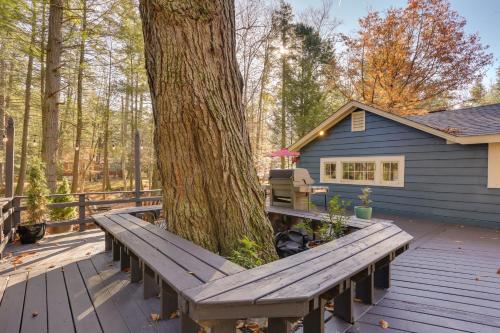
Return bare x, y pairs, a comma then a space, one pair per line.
211, 192
50, 111
27, 105
3, 71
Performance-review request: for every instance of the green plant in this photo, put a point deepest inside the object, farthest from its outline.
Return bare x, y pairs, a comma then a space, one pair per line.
314, 228
337, 217
37, 193
365, 197
247, 254
63, 213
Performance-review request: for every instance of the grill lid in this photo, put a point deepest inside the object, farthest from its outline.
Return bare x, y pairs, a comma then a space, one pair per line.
298, 176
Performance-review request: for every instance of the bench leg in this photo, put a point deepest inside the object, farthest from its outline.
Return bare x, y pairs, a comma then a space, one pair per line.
116, 250
279, 325
150, 286
135, 269
188, 325
364, 289
168, 300
343, 304
124, 259
107, 242
383, 276
314, 322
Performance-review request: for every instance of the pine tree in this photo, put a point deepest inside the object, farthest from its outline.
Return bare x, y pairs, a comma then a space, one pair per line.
477, 93
37, 193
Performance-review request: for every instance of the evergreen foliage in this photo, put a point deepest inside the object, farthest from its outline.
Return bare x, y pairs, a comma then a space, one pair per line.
37, 193
65, 213
247, 254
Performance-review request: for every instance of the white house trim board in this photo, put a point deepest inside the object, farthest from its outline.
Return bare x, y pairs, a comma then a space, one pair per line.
494, 165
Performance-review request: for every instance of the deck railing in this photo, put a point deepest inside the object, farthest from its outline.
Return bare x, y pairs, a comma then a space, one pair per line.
11, 208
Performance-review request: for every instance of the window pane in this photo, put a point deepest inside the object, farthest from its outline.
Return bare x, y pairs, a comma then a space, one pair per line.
330, 170
391, 171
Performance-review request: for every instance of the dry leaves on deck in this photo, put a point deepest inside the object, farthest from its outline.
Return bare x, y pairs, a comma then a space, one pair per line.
155, 317
329, 306
174, 314
383, 324
34, 314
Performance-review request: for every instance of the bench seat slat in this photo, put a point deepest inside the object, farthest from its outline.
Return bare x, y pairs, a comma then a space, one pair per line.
183, 258
257, 274
323, 280
253, 291
177, 277
221, 264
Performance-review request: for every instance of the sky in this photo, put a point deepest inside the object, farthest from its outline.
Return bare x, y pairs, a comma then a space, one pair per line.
483, 17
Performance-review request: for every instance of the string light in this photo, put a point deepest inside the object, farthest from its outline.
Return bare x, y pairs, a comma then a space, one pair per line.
113, 147
321, 133
4, 139
77, 148
35, 143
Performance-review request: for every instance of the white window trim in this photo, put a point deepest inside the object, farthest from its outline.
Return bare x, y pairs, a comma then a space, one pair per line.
494, 165
400, 159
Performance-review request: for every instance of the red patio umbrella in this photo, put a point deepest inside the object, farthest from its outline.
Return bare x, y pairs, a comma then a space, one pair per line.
284, 152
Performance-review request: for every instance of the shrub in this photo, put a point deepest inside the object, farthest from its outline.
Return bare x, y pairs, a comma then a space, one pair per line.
37, 193
337, 217
66, 213
247, 254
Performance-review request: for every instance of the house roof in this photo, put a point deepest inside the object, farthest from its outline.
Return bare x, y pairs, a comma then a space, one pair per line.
468, 126
480, 120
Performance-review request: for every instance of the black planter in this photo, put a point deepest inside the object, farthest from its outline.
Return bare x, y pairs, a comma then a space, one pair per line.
31, 233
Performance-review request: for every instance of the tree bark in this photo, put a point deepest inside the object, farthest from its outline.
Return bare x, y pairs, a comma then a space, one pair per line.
3, 71
106, 183
50, 111
79, 101
211, 192
27, 106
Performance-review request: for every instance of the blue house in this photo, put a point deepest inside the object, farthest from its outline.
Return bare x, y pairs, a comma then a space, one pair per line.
444, 165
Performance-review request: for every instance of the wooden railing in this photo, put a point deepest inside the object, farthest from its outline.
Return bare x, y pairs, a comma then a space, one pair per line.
11, 208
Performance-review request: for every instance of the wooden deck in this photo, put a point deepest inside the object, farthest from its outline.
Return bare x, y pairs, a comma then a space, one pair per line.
447, 282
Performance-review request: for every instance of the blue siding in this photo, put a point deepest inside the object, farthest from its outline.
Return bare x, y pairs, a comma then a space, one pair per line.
444, 181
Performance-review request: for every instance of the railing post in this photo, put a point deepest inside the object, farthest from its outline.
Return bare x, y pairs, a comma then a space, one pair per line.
137, 167
9, 159
81, 211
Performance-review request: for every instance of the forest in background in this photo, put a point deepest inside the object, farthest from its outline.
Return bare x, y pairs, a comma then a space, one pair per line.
81, 106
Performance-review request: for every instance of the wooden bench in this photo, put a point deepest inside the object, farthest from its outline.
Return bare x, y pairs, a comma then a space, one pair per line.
353, 272
166, 263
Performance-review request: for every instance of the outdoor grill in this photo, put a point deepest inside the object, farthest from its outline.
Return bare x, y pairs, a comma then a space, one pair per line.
292, 187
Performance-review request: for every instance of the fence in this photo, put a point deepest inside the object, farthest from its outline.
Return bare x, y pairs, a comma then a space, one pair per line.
11, 207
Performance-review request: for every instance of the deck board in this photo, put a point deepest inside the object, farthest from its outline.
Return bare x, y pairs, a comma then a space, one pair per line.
446, 282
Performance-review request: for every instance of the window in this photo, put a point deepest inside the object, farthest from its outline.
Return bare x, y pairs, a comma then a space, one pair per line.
358, 121
330, 171
358, 171
390, 171
365, 170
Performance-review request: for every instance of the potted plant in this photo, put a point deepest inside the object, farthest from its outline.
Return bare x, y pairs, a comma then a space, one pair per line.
364, 211
62, 213
34, 229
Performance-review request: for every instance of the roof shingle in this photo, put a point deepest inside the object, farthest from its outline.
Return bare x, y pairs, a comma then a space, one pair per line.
479, 120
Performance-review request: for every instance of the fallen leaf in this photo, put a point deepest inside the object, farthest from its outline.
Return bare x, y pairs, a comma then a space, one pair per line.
190, 273
155, 317
126, 269
383, 324
253, 327
174, 314
88, 253
34, 314
329, 306
51, 266
358, 300
477, 278
498, 271
240, 324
